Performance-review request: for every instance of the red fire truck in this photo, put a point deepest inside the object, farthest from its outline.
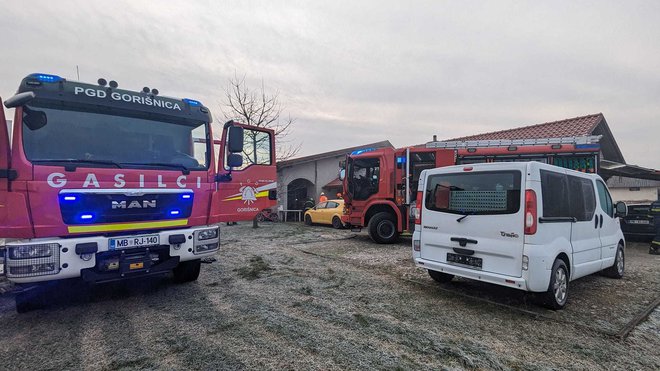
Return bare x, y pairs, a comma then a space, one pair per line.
106, 184
380, 184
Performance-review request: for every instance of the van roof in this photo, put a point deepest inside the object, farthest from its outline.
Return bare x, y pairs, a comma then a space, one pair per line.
522, 166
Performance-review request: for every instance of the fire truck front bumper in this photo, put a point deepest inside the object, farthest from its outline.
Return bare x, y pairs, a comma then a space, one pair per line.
105, 258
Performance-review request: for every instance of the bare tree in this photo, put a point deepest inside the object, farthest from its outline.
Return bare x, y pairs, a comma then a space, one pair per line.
257, 108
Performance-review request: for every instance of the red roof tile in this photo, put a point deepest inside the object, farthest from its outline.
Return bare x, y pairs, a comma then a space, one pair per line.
574, 127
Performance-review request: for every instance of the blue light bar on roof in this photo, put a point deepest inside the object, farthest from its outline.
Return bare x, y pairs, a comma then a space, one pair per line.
587, 146
192, 102
46, 78
361, 151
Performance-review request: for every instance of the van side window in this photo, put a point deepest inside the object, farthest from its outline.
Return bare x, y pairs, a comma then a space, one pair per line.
605, 199
554, 187
582, 198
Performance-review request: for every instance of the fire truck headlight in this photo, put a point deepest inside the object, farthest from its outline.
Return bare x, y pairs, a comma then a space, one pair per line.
32, 260
207, 234
32, 251
2, 262
200, 249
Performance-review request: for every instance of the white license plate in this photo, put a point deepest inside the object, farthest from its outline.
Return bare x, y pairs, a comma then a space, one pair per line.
638, 221
134, 241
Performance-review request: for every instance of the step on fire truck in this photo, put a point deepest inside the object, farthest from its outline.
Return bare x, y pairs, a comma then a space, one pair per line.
106, 184
380, 184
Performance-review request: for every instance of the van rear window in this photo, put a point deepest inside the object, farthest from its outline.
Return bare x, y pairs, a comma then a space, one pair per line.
480, 193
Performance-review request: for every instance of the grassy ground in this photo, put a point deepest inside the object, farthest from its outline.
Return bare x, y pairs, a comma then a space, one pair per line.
289, 296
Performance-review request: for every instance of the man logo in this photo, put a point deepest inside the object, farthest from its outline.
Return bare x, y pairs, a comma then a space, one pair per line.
133, 205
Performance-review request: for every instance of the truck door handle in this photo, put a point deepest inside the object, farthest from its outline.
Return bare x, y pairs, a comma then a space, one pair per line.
463, 241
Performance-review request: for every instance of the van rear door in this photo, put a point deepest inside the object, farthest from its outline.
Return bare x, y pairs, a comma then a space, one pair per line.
474, 219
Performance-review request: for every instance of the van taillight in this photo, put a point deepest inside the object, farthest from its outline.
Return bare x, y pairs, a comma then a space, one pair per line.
418, 208
531, 212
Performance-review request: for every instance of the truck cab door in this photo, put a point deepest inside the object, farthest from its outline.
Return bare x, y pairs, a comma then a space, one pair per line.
14, 217
6, 201
4, 155
244, 189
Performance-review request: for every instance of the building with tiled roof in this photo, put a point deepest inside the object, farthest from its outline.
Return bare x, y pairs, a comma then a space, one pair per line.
574, 127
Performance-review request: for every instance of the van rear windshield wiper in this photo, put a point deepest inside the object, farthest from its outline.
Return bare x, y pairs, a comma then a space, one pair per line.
73, 162
185, 170
465, 215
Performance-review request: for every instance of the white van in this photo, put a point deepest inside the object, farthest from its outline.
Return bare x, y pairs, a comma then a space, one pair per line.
525, 225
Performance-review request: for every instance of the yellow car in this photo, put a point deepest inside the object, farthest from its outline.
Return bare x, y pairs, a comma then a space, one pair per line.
328, 212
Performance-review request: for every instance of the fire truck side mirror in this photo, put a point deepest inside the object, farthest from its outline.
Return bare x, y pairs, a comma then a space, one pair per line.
235, 139
234, 160
19, 99
342, 174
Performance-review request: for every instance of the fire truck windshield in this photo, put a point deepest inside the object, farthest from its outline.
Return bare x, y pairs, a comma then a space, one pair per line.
364, 174
53, 134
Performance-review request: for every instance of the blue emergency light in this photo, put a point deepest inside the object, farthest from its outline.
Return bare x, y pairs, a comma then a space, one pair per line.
86, 217
192, 102
70, 198
360, 151
46, 78
175, 212
186, 196
587, 146
400, 160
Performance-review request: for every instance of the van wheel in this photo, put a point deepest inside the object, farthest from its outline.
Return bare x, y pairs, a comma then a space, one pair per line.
616, 270
336, 223
308, 220
187, 271
440, 277
557, 294
382, 228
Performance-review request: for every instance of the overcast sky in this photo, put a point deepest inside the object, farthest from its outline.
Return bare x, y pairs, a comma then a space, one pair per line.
355, 72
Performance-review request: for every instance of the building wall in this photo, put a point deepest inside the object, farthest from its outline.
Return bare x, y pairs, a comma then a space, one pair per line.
319, 172
648, 194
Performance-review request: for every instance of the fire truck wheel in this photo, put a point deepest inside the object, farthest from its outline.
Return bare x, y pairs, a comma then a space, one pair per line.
28, 301
308, 220
336, 223
382, 228
187, 271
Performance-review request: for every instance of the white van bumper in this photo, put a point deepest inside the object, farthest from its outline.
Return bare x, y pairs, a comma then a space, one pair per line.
93, 259
538, 282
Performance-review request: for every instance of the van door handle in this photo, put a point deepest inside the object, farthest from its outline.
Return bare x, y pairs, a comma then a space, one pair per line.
463, 251
601, 221
463, 241
596, 225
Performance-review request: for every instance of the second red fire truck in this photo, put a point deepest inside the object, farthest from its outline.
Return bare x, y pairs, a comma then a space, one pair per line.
380, 184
